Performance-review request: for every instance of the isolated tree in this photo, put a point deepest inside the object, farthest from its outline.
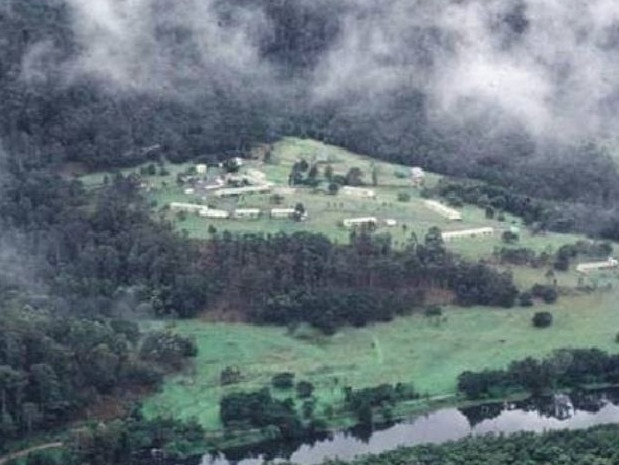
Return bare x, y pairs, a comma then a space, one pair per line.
542, 319
354, 177
329, 172
375, 173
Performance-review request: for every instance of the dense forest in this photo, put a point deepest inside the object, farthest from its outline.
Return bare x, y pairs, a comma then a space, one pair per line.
565, 369
52, 119
595, 446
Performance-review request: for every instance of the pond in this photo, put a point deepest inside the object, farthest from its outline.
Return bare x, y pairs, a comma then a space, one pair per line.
574, 411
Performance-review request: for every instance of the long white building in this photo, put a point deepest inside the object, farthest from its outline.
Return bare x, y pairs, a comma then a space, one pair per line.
247, 190
214, 213
187, 207
467, 233
594, 266
443, 210
360, 192
355, 222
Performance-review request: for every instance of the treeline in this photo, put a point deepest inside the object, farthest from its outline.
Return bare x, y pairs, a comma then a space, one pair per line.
567, 213
564, 369
53, 120
297, 417
53, 366
599, 445
284, 279
101, 259
128, 441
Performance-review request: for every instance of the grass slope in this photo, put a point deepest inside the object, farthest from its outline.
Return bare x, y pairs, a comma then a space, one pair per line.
431, 354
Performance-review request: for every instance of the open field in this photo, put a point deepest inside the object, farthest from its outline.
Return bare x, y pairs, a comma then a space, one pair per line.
429, 353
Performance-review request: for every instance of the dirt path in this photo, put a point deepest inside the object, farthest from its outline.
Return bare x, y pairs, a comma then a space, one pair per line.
25, 452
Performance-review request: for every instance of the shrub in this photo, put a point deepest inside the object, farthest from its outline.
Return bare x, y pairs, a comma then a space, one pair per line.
433, 310
542, 319
547, 293
526, 299
404, 197
283, 380
304, 389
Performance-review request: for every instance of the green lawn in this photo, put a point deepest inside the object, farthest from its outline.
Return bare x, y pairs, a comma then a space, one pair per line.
417, 349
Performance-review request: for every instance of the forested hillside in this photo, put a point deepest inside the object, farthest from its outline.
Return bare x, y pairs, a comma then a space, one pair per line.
55, 112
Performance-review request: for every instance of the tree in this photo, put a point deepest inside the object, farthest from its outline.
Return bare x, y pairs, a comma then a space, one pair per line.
304, 389
542, 319
375, 173
354, 177
299, 212
333, 188
283, 380
329, 172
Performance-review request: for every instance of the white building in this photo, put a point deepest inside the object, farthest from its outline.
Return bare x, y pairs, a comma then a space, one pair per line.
443, 210
467, 233
246, 213
213, 213
391, 223
189, 191
593, 266
187, 207
247, 190
282, 213
361, 192
201, 168
356, 222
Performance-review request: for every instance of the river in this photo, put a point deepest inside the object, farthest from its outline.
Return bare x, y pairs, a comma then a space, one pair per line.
575, 411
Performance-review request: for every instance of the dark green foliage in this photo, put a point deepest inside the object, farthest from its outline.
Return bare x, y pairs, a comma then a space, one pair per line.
433, 311
404, 197
564, 369
230, 375
509, 237
526, 299
283, 380
132, 440
167, 348
547, 293
304, 389
542, 319
596, 446
53, 366
305, 277
260, 409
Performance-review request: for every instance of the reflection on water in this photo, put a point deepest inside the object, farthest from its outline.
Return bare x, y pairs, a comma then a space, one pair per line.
578, 410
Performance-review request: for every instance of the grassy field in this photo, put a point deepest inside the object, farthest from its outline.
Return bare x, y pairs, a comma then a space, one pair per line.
326, 212
427, 352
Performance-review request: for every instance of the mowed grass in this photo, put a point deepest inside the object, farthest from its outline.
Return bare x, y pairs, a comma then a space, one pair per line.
416, 349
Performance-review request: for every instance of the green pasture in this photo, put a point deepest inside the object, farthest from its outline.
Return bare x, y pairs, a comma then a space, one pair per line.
429, 352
